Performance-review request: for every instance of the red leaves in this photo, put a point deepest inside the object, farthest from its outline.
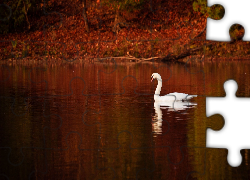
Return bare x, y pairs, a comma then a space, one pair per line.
149, 33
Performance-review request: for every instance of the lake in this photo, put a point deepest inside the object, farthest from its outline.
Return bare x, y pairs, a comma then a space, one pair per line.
99, 121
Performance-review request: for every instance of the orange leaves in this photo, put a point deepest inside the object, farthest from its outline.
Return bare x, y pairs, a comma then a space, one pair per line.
148, 33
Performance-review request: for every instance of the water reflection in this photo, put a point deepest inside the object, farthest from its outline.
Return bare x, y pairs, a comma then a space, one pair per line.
38, 96
179, 106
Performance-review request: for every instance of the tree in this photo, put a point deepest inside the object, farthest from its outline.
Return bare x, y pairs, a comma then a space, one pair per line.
215, 12
19, 14
120, 5
5, 14
85, 15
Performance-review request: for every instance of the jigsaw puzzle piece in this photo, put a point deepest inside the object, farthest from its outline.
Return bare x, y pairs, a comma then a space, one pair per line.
107, 86
199, 36
5, 74
215, 122
23, 50
35, 50
234, 13
227, 51
195, 64
143, 36
110, 70
172, 135
88, 51
159, 28
43, 116
76, 73
217, 166
152, 28
77, 162
182, 164
6, 49
88, 45
185, 49
18, 103
175, 112
6, 12
70, 8
152, 41
32, 162
61, 99
15, 49
50, 8
122, 116
86, 124
194, 50
17, 150
28, 134
74, 84
223, 138
60, 51
195, 67
16, 106
23, 100
18, 50
148, 43
113, 43
131, 161
53, 22
75, 48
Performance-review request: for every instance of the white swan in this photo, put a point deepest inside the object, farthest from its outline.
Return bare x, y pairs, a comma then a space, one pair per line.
169, 97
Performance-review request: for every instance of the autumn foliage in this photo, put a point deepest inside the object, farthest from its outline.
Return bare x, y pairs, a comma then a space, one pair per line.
55, 30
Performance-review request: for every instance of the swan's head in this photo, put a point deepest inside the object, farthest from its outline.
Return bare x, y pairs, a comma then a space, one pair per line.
156, 76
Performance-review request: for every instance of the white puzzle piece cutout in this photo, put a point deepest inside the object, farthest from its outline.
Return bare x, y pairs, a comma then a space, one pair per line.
235, 134
236, 12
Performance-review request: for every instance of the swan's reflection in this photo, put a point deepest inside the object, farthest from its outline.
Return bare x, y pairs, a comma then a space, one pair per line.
171, 106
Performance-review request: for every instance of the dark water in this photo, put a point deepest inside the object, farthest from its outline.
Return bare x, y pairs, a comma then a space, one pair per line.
99, 121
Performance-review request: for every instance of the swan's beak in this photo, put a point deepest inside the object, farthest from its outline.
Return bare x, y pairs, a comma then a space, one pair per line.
152, 79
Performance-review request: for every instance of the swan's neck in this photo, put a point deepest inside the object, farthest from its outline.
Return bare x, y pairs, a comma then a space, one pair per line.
158, 88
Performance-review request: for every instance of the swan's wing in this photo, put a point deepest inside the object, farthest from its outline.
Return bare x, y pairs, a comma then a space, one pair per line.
165, 99
166, 103
191, 96
182, 96
179, 96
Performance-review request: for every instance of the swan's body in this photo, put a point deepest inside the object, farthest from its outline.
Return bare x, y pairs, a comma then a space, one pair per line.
169, 97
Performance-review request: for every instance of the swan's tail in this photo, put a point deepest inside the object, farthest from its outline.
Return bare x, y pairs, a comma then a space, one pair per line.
191, 96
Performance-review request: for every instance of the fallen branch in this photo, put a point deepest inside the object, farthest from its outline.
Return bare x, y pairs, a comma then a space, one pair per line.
172, 57
132, 58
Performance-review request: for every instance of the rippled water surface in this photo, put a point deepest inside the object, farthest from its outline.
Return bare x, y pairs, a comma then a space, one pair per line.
99, 121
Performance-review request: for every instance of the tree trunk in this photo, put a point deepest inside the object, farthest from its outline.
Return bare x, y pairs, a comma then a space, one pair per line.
119, 22
172, 57
27, 21
188, 52
26, 8
85, 16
